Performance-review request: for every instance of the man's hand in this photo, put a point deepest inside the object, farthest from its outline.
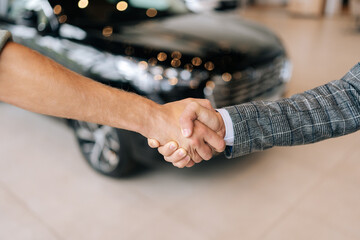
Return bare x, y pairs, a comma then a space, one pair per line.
196, 111
165, 127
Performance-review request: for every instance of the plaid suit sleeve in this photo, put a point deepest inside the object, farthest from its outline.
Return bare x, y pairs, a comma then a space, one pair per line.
4, 37
328, 111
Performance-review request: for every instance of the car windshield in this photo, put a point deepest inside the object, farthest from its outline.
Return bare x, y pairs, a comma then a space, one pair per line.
99, 13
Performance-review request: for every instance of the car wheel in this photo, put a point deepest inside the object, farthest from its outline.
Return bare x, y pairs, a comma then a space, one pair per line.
104, 148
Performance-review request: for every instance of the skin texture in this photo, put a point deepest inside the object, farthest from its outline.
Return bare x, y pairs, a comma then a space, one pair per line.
34, 82
193, 113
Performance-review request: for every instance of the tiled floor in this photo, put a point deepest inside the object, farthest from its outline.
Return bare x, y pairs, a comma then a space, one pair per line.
309, 192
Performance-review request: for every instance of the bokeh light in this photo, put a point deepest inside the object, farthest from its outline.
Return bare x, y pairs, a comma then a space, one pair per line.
226, 77
107, 31
196, 61
175, 63
162, 56
62, 18
152, 61
151, 12
158, 77
122, 6
209, 66
143, 65
173, 81
189, 67
210, 84
57, 9
176, 55
83, 3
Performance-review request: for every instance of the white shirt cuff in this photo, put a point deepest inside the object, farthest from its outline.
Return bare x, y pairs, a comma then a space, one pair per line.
229, 134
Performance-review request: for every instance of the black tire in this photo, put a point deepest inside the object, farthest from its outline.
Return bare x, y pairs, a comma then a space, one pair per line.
106, 149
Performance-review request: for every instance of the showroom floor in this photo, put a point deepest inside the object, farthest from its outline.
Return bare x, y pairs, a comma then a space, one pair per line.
47, 191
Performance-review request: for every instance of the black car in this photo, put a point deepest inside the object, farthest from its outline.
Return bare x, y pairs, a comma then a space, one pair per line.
158, 49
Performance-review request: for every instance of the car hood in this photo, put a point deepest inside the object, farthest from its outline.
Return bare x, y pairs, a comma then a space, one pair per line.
205, 35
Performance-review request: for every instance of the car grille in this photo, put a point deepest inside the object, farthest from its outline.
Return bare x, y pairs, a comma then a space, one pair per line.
248, 85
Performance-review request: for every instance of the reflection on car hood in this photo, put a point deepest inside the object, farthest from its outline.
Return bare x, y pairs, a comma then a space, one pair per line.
201, 34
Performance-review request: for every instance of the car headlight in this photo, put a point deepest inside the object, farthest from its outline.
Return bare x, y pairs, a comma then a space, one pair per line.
151, 77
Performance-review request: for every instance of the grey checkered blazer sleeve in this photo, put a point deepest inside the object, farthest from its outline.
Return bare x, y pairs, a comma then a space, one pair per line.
328, 111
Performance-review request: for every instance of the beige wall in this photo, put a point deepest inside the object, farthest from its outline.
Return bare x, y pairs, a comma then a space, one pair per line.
306, 7
272, 1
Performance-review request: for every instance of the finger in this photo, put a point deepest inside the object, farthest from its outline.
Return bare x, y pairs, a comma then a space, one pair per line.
168, 149
203, 140
196, 157
183, 163
176, 156
214, 140
187, 118
153, 143
191, 113
190, 164
204, 151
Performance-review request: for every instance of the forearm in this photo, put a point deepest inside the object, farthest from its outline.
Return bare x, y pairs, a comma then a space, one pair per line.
324, 112
36, 83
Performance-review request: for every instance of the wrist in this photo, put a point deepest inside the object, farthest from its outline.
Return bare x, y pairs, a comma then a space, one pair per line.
162, 123
222, 129
149, 126
133, 112
226, 126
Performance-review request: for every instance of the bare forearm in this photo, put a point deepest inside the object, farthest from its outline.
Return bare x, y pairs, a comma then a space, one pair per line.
36, 83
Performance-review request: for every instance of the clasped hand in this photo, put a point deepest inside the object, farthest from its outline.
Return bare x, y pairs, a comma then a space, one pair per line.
191, 131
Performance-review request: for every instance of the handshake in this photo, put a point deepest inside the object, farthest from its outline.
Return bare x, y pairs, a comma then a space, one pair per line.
187, 132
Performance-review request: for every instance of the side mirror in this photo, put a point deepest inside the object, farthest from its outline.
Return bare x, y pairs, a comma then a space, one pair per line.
28, 18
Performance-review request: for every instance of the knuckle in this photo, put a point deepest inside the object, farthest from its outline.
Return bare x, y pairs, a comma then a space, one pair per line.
222, 146
207, 103
197, 159
165, 151
207, 156
161, 151
167, 159
151, 143
190, 164
193, 106
179, 165
193, 155
194, 142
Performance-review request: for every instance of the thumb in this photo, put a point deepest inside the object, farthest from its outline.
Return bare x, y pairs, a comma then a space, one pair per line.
187, 119
195, 111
